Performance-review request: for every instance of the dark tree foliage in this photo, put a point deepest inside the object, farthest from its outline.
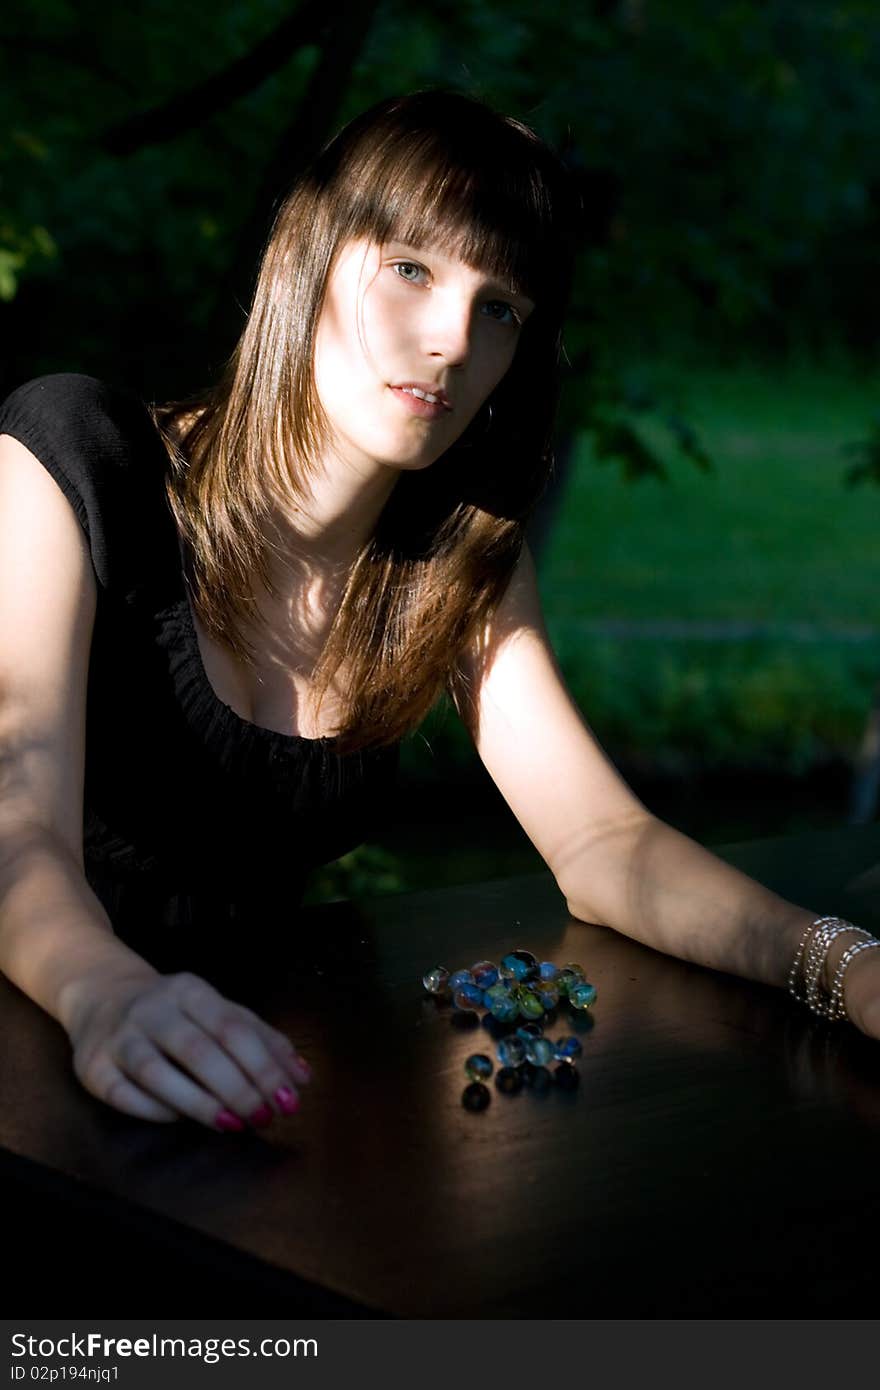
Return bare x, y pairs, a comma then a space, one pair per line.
727, 154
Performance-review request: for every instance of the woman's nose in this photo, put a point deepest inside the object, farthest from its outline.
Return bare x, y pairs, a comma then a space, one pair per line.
447, 332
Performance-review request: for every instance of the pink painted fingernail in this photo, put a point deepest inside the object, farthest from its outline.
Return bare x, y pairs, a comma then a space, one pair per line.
262, 1117
224, 1119
286, 1100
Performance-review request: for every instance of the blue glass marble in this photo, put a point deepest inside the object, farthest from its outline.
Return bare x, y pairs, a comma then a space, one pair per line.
532, 1029
547, 970
540, 1051
568, 1048
476, 1096
582, 996
458, 978
548, 993
511, 1051
436, 980
509, 1080
521, 964
485, 973
468, 997
478, 1066
576, 969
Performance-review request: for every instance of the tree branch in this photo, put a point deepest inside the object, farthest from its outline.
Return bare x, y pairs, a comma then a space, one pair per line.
206, 98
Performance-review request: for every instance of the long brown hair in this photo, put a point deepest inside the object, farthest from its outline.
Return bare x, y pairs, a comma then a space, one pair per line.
433, 167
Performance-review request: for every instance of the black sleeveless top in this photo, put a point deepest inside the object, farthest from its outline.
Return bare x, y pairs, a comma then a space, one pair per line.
193, 817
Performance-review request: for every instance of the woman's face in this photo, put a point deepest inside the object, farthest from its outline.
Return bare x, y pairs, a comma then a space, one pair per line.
395, 318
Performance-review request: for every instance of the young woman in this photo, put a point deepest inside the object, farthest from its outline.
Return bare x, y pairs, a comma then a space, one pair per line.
219, 617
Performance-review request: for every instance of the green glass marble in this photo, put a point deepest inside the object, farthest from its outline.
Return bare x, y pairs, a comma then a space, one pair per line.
565, 980
505, 1009
501, 990
530, 1005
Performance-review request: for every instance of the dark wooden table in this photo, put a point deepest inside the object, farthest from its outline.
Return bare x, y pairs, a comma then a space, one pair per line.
719, 1158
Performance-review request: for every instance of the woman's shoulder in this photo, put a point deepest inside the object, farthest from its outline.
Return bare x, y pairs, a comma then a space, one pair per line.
77, 404
101, 445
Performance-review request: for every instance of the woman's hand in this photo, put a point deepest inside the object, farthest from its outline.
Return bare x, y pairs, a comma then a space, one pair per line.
862, 991
165, 1046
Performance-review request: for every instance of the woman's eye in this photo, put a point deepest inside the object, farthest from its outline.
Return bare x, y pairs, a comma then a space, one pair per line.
502, 312
408, 270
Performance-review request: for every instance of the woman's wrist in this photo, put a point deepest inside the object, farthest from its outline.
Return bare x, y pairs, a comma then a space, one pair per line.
93, 982
820, 972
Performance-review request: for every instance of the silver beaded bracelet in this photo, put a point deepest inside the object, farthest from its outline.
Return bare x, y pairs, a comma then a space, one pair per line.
837, 1007
811, 955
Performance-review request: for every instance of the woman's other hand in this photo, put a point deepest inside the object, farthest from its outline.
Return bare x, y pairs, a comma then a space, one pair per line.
165, 1046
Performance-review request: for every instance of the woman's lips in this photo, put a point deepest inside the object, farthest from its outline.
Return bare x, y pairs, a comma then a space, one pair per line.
428, 410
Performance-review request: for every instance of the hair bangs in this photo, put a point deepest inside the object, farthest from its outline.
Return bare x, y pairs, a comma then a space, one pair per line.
490, 207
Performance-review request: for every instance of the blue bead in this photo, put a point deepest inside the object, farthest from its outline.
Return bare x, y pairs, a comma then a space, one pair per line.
521, 964
472, 993
458, 978
511, 1051
540, 1051
478, 1066
547, 970
568, 1048
485, 974
582, 996
548, 993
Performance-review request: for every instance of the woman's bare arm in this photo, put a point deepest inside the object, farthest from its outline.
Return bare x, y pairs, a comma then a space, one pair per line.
616, 863
152, 1045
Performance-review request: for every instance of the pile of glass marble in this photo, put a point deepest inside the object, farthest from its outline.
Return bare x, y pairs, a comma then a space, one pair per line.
520, 987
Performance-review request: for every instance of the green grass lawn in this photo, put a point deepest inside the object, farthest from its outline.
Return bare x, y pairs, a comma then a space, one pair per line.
771, 535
